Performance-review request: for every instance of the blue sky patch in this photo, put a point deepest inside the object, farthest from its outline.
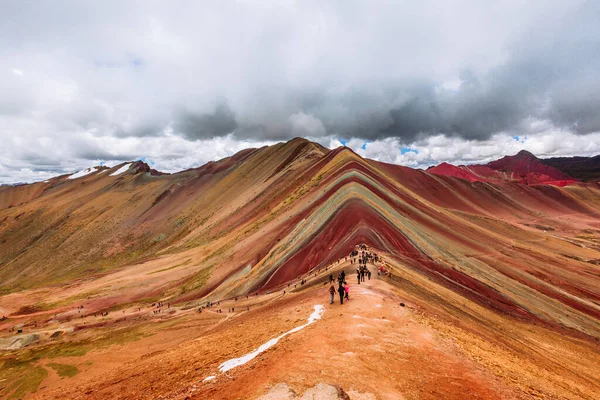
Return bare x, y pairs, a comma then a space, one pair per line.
520, 139
404, 150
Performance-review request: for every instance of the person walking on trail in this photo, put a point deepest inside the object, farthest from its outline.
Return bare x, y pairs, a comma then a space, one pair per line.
331, 293
358, 277
341, 292
369, 274
346, 291
330, 278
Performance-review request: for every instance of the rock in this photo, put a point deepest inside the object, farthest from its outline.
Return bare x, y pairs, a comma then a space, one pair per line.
281, 391
18, 341
56, 334
324, 391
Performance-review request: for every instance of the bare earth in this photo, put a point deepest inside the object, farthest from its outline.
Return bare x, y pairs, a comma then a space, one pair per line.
369, 345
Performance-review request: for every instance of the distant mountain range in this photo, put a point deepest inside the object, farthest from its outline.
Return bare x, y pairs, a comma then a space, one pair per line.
582, 168
527, 169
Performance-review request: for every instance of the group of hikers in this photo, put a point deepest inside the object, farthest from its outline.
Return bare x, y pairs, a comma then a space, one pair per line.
343, 288
362, 256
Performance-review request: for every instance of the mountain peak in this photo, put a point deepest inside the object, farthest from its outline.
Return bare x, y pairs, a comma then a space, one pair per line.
525, 154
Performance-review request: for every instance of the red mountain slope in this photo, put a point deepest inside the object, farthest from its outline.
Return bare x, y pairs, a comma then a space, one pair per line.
523, 167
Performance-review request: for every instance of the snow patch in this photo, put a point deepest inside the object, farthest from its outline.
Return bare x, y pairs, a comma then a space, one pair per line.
378, 305
82, 173
236, 362
121, 170
209, 378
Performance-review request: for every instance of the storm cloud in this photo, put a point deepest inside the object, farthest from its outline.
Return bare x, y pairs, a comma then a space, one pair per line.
109, 81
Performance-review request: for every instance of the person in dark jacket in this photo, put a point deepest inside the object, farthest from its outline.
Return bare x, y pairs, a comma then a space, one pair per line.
331, 293
341, 292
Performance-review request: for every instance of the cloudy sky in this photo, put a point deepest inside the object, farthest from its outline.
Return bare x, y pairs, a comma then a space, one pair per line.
180, 83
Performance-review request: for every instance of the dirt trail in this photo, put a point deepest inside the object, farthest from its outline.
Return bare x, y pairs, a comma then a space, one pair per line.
369, 345
354, 346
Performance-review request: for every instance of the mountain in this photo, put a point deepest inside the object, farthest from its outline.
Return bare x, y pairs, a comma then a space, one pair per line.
526, 167
484, 279
581, 168
523, 167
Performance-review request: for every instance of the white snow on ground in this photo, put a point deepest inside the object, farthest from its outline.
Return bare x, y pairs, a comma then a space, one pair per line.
236, 362
82, 173
209, 378
121, 170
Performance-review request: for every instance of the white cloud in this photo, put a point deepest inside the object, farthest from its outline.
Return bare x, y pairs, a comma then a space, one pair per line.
306, 125
324, 70
452, 84
441, 148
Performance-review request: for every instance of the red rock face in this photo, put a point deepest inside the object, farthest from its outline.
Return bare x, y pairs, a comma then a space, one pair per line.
523, 167
446, 169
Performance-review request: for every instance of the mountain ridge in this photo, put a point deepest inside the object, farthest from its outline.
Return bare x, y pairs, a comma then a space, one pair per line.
125, 252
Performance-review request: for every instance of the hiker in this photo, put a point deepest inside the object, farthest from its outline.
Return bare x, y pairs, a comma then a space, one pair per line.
362, 274
347, 291
341, 293
369, 274
358, 277
331, 293
330, 278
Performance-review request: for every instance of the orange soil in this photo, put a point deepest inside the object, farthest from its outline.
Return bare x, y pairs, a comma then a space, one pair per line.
370, 344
